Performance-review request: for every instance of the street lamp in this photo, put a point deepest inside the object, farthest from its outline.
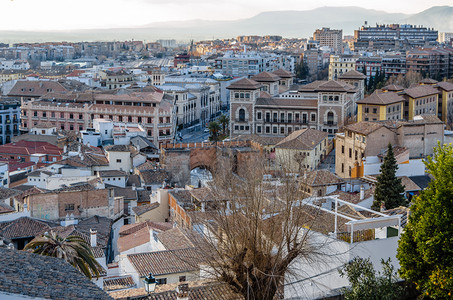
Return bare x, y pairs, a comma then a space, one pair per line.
150, 283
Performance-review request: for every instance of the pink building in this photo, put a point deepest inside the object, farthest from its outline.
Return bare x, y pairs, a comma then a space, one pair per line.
76, 111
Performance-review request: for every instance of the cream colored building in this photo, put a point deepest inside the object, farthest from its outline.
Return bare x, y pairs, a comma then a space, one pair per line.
302, 149
340, 64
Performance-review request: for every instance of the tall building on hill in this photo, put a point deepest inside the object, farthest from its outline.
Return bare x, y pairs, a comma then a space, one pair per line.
331, 38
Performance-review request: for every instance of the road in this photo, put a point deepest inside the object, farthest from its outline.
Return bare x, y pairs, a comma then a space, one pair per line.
195, 137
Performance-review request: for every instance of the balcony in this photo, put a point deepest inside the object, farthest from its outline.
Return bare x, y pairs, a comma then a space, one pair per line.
164, 125
241, 121
164, 137
330, 123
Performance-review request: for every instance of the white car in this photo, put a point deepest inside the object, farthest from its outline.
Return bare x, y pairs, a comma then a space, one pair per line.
206, 130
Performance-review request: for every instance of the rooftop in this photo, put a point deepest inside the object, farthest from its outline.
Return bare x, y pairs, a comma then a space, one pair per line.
303, 139
38, 276
166, 262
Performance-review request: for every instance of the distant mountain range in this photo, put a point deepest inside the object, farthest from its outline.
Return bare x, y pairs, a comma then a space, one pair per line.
284, 23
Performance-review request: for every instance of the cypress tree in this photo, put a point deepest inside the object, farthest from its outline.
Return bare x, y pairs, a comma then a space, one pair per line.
389, 189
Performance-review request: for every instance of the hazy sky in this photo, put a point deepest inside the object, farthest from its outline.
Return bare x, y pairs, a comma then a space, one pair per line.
81, 14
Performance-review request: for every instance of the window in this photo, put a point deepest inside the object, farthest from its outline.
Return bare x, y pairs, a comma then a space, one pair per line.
274, 129
242, 115
69, 207
182, 278
118, 160
342, 149
313, 117
282, 130
374, 110
161, 280
268, 129
258, 115
258, 129
350, 153
367, 110
71, 116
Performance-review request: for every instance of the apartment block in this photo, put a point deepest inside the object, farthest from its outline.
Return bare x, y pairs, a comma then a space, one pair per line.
332, 38
76, 111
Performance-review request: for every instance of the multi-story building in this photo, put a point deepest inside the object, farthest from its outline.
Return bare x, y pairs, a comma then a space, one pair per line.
369, 139
394, 102
433, 62
76, 111
370, 66
445, 37
420, 100
393, 36
251, 63
393, 65
117, 79
208, 96
9, 120
321, 105
340, 64
381, 105
332, 38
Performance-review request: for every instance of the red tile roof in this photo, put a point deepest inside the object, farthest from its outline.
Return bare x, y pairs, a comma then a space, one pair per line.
26, 148
166, 262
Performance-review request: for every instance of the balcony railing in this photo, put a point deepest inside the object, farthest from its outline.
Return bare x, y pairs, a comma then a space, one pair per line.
328, 123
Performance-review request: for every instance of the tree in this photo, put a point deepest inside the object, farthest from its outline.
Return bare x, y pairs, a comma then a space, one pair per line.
214, 129
425, 250
73, 249
366, 283
302, 70
257, 231
224, 121
389, 189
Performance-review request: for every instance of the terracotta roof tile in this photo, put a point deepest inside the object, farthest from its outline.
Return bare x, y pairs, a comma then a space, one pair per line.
420, 91
352, 74
283, 73
244, 84
118, 283
174, 239
364, 127
379, 97
266, 77
304, 139
393, 88
37, 276
141, 209
166, 262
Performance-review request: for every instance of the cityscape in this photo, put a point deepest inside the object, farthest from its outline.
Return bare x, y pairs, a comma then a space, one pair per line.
235, 150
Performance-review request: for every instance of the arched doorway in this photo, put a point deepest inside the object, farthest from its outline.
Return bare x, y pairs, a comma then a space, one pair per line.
200, 176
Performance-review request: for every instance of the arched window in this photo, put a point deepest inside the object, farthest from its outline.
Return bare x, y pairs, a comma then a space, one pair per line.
241, 115
330, 118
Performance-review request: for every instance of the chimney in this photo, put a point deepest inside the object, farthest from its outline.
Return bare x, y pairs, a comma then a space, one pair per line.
362, 192
93, 237
182, 291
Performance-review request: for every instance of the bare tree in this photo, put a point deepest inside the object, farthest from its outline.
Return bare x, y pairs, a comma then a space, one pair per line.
257, 229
